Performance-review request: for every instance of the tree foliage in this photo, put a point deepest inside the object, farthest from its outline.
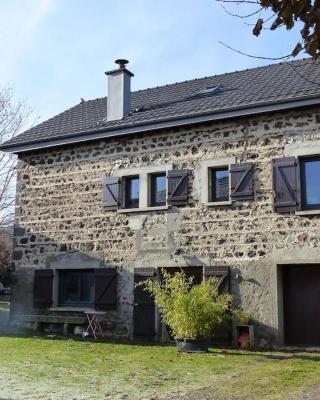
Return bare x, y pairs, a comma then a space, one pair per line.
287, 13
191, 311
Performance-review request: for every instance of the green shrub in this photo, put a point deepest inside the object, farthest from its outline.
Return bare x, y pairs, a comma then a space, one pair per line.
244, 317
190, 311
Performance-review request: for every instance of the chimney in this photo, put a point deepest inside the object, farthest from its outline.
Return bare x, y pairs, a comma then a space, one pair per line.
119, 94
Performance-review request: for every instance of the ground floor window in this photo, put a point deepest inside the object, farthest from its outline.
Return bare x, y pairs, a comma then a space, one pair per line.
76, 288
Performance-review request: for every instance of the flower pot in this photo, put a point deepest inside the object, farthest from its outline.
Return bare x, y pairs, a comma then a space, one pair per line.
245, 336
192, 346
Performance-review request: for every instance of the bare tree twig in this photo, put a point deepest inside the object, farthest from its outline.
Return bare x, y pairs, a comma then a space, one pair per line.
284, 14
253, 56
241, 16
14, 114
239, 2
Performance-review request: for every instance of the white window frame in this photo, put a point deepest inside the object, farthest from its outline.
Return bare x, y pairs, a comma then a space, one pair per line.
303, 150
144, 174
205, 173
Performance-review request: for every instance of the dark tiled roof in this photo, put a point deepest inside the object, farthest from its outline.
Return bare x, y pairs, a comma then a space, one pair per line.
270, 84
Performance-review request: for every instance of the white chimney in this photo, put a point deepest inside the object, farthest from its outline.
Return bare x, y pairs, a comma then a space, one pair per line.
119, 95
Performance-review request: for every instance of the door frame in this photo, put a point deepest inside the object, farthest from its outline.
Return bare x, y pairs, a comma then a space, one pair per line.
282, 269
280, 259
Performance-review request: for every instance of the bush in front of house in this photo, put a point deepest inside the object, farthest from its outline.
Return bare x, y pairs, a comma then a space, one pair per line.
192, 312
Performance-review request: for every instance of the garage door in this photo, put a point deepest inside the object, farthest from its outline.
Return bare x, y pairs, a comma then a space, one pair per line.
301, 301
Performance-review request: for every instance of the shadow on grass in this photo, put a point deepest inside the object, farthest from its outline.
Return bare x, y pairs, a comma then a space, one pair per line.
272, 355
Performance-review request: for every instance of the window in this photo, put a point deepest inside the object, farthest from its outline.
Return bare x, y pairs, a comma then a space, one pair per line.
132, 184
76, 288
210, 89
310, 183
219, 184
137, 189
158, 190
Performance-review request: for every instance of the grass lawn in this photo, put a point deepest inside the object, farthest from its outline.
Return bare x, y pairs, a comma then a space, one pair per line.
55, 368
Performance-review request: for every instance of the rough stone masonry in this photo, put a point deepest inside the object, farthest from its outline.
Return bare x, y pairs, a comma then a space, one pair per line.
60, 216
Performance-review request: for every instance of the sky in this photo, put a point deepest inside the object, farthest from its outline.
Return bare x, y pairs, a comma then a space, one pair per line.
55, 52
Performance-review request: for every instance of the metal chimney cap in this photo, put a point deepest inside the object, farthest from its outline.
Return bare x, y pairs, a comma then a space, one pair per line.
122, 63
122, 68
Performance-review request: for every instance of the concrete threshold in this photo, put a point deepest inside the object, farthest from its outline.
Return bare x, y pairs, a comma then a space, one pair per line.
295, 349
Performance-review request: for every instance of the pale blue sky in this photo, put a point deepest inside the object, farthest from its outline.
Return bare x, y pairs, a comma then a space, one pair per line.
53, 52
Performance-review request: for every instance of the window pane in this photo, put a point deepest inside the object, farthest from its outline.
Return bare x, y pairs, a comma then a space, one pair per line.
132, 192
76, 288
70, 282
311, 183
158, 190
220, 184
87, 287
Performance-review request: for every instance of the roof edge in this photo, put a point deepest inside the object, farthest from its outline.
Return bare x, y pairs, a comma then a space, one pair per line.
164, 124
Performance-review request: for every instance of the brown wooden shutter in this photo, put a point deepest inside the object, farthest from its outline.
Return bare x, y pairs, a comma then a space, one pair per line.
144, 307
111, 193
178, 187
43, 283
220, 272
105, 280
242, 181
286, 193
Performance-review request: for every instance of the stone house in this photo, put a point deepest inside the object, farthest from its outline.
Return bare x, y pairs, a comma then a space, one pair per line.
219, 176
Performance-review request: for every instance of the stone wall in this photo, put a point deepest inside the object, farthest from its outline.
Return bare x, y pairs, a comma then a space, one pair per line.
60, 212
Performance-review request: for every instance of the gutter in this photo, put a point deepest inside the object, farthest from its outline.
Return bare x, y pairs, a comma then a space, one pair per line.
148, 126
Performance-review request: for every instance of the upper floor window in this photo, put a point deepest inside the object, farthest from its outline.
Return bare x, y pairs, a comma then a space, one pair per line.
219, 184
310, 183
158, 189
132, 188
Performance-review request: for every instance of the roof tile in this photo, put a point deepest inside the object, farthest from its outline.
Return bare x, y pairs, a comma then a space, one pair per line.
251, 87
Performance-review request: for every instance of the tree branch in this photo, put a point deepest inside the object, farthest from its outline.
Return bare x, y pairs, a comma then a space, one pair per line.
253, 56
14, 115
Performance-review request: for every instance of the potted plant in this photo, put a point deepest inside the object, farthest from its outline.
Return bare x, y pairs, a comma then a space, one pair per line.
192, 312
244, 329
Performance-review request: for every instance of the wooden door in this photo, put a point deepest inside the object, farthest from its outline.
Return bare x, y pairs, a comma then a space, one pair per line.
301, 304
144, 307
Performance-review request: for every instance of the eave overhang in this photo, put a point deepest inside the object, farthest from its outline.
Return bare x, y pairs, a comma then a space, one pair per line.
149, 126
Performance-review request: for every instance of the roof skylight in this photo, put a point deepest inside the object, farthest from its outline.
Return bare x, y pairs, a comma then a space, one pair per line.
210, 89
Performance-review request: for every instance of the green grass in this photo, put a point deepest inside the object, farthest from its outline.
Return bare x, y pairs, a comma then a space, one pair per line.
49, 368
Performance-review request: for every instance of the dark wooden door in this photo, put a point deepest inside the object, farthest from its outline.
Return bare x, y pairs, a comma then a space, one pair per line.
144, 307
301, 300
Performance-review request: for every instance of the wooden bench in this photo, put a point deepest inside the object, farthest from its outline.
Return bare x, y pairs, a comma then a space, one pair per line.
40, 320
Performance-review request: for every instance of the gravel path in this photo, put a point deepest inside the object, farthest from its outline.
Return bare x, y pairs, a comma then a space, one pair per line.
207, 394
314, 394
202, 394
